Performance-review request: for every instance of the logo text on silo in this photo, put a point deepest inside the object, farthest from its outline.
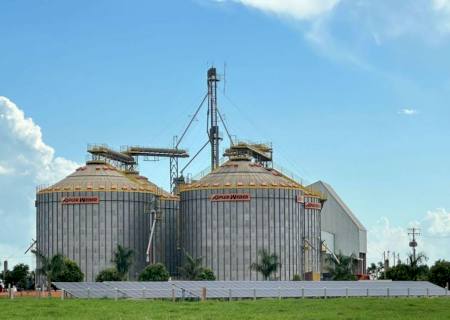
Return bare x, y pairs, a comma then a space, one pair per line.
80, 200
313, 205
230, 197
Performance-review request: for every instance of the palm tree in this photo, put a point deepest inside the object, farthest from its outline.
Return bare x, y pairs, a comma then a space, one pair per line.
269, 264
123, 259
192, 268
50, 267
342, 267
416, 265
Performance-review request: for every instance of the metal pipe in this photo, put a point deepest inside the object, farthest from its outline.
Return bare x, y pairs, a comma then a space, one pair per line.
192, 120
193, 158
151, 237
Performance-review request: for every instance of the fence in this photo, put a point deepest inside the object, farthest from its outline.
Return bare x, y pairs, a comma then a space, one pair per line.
201, 290
30, 293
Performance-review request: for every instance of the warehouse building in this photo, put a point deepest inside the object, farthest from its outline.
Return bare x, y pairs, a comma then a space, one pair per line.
341, 230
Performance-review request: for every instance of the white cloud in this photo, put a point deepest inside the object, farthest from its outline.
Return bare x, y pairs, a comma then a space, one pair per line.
351, 31
383, 237
408, 112
25, 161
433, 241
5, 170
442, 8
443, 5
23, 149
438, 223
297, 9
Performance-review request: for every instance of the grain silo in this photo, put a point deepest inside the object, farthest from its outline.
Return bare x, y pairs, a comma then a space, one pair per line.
242, 207
87, 214
164, 245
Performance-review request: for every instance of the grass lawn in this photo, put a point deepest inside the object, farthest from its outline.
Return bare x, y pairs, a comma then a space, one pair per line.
353, 308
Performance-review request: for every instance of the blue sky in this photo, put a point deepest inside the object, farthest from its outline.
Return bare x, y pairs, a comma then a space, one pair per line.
355, 93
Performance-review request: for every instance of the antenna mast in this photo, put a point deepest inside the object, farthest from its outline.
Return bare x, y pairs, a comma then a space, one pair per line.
213, 132
413, 244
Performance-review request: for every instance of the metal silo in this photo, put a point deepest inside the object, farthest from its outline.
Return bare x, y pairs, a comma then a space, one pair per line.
86, 215
242, 207
312, 240
164, 245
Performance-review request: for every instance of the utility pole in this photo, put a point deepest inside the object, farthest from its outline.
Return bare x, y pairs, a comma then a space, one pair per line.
213, 132
5, 268
387, 256
413, 244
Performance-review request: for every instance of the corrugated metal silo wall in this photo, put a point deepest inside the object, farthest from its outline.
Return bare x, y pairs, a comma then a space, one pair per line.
165, 244
90, 233
312, 235
228, 235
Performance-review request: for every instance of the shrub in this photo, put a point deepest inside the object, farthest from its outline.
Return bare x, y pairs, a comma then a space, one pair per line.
154, 272
123, 259
268, 264
341, 266
207, 275
109, 274
70, 272
296, 277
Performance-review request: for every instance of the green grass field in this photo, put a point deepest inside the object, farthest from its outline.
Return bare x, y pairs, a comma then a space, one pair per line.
362, 308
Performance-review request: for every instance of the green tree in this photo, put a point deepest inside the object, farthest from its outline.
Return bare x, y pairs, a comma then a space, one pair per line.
414, 269
58, 268
31, 280
207, 275
18, 276
70, 272
342, 267
268, 264
376, 270
440, 273
109, 274
192, 268
123, 259
154, 272
296, 277
50, 267
401, 272
418, 269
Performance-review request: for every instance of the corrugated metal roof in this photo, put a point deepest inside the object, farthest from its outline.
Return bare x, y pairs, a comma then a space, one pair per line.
101, 176
243, 174
329, 189
145, 182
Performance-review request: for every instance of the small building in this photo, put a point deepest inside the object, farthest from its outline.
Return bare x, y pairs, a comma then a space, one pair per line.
341, 230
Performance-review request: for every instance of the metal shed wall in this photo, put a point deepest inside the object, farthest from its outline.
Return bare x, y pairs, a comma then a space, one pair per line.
350, 235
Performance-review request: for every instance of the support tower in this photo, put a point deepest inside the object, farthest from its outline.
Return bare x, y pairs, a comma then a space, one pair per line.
213, 131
